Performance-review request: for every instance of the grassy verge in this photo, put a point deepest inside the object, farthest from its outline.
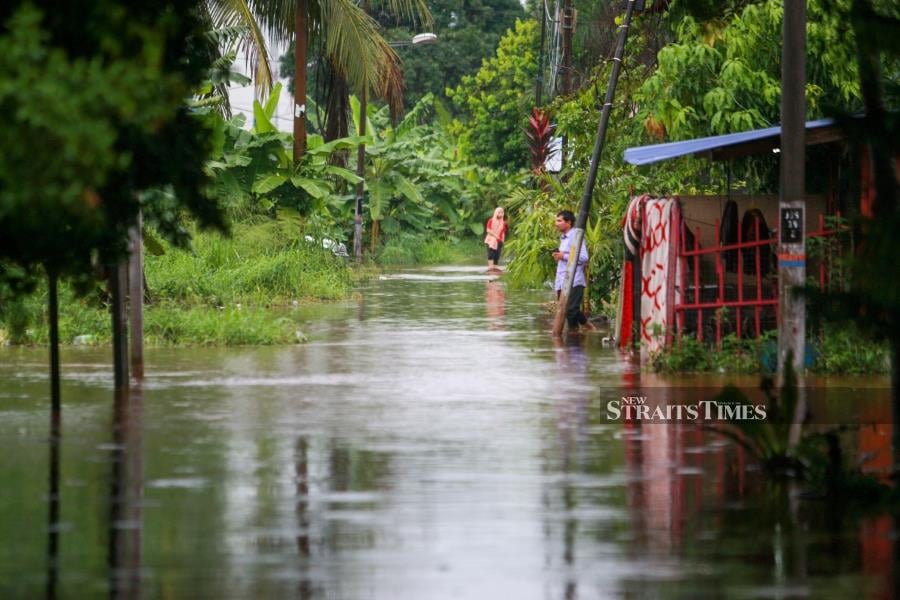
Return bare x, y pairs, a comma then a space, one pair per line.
222, 291
420, 250
266, 264
837, 350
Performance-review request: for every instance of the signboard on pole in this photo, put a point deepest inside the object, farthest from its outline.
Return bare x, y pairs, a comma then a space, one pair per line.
554, 161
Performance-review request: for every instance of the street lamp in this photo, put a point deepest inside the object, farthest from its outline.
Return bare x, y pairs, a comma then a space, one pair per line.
421, 39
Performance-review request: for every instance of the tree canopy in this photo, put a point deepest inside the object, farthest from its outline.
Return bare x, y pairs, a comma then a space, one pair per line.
496, 100
96, 119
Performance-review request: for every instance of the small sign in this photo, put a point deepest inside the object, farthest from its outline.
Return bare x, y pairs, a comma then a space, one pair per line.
554, 160
791, 225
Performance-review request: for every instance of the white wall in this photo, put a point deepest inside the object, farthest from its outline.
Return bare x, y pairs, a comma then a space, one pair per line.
242, 96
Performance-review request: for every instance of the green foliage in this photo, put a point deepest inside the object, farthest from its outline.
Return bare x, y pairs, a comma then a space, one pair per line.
254, 169
168, 325
96, 118
236, 290
468, 33
844, 350
269, 264
409, 249
532, 214
723, 75
840, 349
734, 355
416, 180
495, 101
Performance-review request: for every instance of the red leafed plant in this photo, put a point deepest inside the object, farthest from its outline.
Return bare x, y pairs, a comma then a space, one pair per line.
539, 134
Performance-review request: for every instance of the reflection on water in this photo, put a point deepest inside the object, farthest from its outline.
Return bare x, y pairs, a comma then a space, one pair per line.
431, 441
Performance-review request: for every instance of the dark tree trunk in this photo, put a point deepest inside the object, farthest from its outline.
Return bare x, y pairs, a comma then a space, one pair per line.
336, 96
301, 25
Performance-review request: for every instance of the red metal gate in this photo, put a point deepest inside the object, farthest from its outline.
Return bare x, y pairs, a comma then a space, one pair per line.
733, 288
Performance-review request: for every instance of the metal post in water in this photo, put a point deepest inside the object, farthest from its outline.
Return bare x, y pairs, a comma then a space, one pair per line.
580, 222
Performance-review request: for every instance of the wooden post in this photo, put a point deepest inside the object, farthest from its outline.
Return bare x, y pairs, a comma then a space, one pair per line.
53, 318
136, 298
117, 276
361, 172
55, 432
792, 204
53, 516
301, 25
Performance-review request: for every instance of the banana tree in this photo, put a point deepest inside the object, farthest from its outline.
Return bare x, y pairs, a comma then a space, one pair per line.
416, 181
254, 168
396, 198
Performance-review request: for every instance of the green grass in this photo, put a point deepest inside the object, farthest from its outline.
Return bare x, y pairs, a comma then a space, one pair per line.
268, 264
169, 325
421, 250
222, 291
838, 350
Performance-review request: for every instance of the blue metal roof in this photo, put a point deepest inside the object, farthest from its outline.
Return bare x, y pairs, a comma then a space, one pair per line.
645, 155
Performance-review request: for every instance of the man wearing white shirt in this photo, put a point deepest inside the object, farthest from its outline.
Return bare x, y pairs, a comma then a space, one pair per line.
564, 221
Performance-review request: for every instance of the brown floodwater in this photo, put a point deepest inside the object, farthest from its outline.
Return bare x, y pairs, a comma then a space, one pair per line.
429, 442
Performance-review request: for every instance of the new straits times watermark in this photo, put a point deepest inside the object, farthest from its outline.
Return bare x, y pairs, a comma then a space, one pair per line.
823, 405
639, 408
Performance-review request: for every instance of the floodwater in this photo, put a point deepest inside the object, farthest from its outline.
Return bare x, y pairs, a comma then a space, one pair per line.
429, 442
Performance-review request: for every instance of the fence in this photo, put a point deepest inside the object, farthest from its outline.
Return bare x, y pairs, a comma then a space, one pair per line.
732, 288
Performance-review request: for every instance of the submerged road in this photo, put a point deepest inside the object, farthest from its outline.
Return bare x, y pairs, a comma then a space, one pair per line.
429, 442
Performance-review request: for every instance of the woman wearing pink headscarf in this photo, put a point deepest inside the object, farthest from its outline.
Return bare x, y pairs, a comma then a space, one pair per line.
495, 234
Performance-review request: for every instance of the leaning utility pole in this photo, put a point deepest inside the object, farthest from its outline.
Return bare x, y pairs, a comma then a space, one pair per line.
581, 221
792, 203
301, 18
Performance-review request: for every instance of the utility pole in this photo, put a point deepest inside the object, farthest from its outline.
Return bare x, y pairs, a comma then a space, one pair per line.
792, 203
301, 18
361, 172
585, 208
136, 298
568, 29
539, 82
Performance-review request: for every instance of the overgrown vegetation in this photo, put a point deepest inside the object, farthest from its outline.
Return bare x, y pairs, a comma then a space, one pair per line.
220, 291
418, 250
836, 350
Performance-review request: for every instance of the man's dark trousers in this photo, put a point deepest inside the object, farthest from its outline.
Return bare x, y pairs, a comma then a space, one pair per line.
574, 316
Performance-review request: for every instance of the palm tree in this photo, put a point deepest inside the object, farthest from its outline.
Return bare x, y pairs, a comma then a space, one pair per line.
349, 38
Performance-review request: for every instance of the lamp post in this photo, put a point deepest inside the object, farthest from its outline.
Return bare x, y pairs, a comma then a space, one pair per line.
422, 39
